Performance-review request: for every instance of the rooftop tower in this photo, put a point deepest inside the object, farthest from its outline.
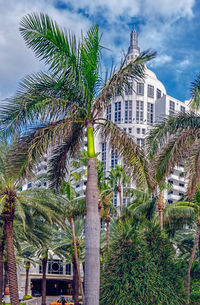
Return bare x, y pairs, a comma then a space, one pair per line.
133, 50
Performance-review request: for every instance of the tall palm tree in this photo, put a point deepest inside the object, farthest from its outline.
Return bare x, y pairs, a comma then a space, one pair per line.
182, 211
64, 247
62, 105
73, 207
118, 178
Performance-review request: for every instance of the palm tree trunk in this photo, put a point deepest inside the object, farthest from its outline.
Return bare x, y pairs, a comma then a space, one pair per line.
199, 249
1, 270
192, 257
75, 283
120, 198
92, 228
161, 219
5, 279
27, 277
12, 269
108, 235
77, 260
44, 280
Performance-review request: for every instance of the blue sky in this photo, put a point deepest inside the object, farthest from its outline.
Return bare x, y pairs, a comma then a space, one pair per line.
170, 27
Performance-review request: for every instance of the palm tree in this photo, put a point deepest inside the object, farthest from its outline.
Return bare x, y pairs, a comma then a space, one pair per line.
118, 178
2, 246
180, 213
64, 247
74, 207
62, 105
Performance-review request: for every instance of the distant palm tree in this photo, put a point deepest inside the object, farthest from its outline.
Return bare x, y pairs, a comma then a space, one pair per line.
65, 103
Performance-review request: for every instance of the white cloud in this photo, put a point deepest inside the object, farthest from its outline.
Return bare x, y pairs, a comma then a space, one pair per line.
160, 60
158, 23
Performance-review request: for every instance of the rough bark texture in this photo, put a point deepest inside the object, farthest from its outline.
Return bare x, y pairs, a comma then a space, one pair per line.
5, 279
27, 277
77, 260
75, 283
192, 257
1, 270
161, 219
92, 237
120, 197
12, 270
108, 235
44, 280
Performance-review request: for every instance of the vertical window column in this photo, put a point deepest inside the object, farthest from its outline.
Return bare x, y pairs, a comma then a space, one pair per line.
114, 157
103, 156
128, 111
149, 113
118, 112
139, 111
108, 115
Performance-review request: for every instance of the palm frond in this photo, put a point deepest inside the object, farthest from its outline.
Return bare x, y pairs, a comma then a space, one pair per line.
57, 47
195, 93
132, 155
67, 149
175, 125
176, 150
135, 70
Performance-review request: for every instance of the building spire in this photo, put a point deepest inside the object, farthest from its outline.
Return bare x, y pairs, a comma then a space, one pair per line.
133, 49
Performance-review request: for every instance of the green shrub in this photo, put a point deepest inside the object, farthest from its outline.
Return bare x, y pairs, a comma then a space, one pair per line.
27, 297
141, 269
195, 297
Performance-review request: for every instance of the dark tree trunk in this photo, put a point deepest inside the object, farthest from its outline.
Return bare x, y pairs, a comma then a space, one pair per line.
199, 249
5, 279
108, 234
44, 280
77, 260
75, 284
12, 269
192, 257
92, 237
1, 270
27, 277
120, 198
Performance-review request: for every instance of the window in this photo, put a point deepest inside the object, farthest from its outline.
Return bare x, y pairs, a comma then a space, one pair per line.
114, 157
124, 129
130, 130
143, 131
108, 116
103, 156
29, 185
170, 192
128, 111
55, 266
150, 91
128, 89
149, 113
181, 184
158, 93
115, 199
171, 108
171, 181
118, 112
138, 130
139, 111
141, 142
140, 89
68, 269
181, 194
182, 109
170, 201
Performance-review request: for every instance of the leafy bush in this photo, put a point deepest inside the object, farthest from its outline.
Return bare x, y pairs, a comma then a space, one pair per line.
141, 269
195, 297
27, 297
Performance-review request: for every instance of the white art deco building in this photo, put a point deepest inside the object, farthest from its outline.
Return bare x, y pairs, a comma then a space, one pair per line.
136, 110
